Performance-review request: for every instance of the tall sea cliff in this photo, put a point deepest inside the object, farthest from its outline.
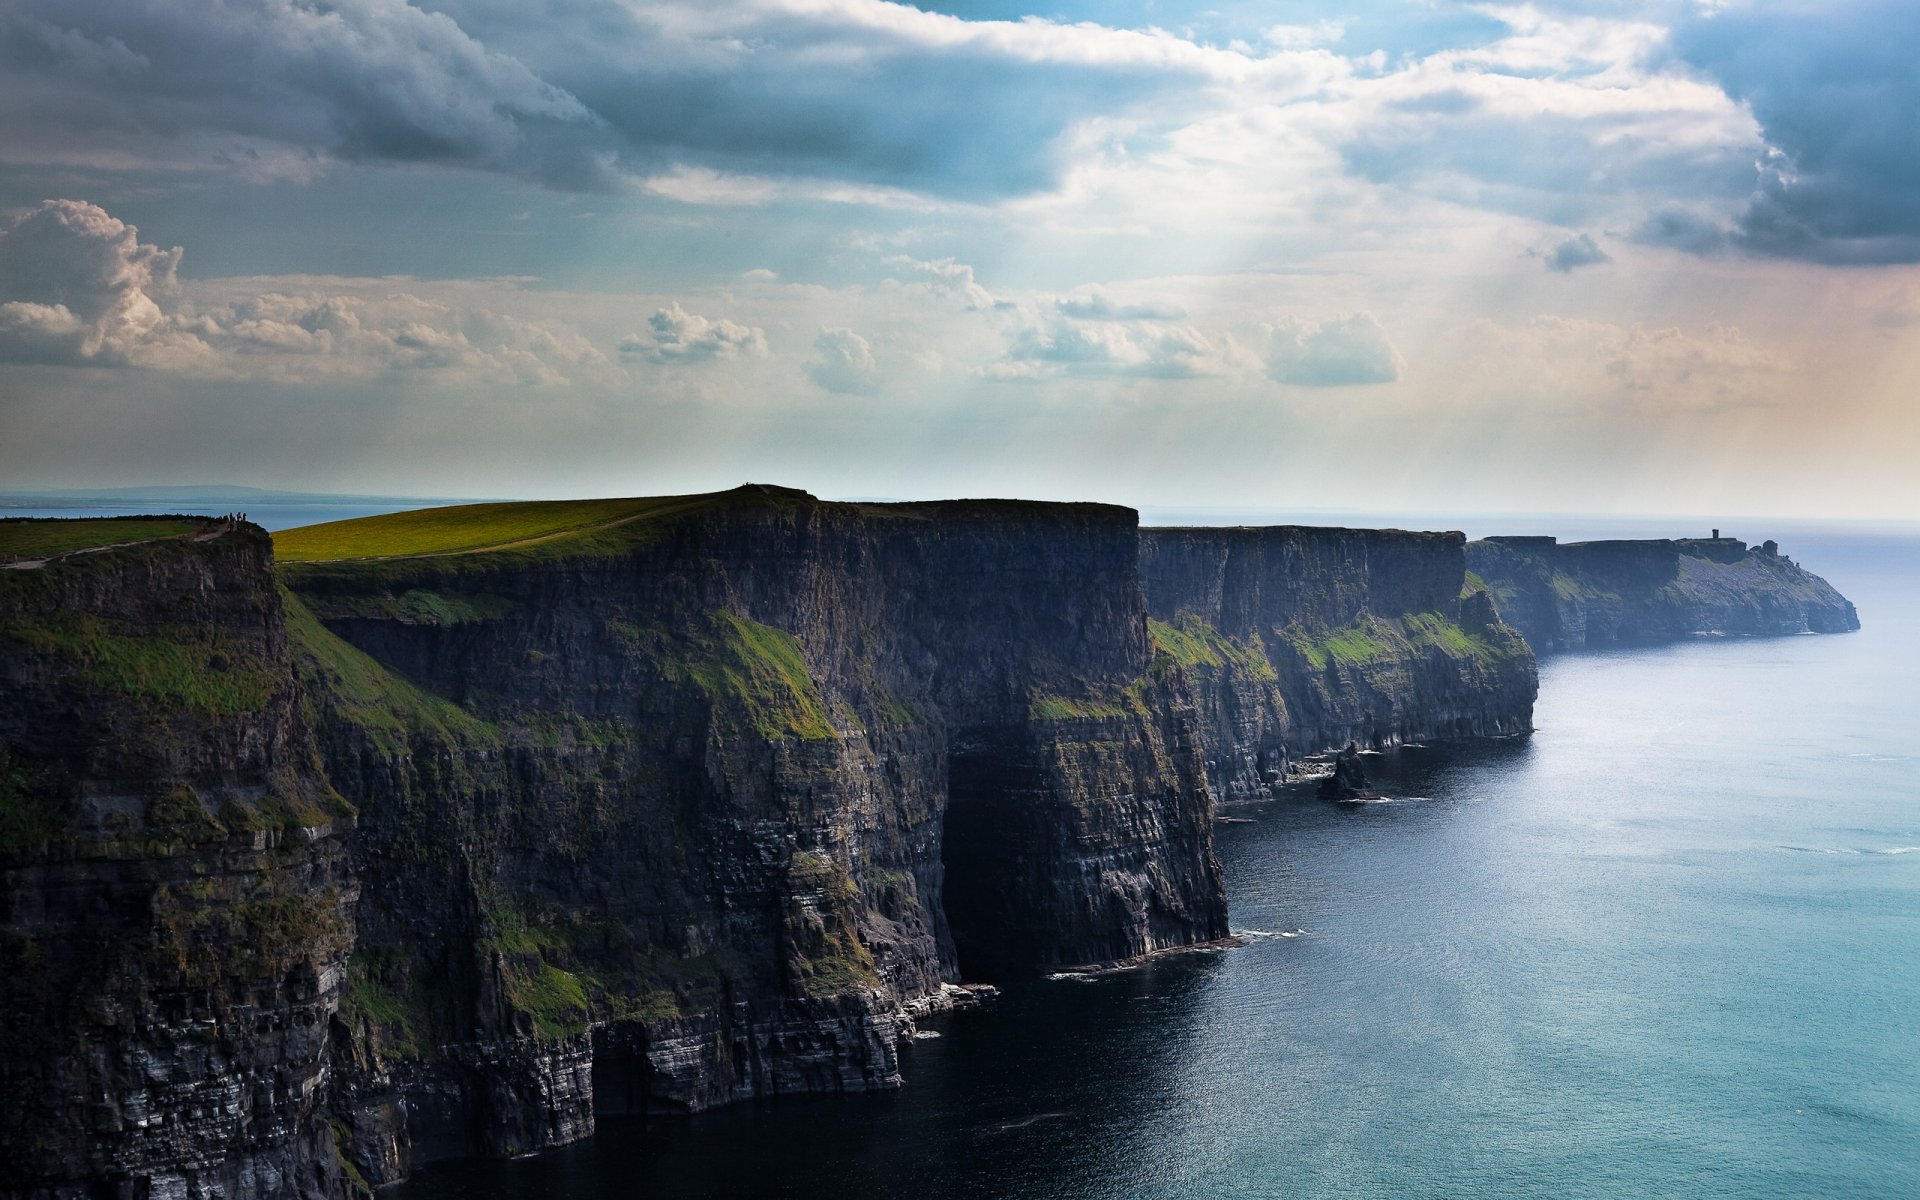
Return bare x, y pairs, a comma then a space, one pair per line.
1303, 639
450, 830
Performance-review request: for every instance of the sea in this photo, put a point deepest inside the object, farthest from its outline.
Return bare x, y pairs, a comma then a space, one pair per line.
1666, 945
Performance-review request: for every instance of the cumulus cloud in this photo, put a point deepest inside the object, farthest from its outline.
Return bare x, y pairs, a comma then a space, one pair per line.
1343, 352
844, 362
1098, 306
1576, 252
1833, 90
947, 277
1049, 349
79, 288
675, 335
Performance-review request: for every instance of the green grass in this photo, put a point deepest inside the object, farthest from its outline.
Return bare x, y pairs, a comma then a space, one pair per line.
555, 999
1193, 643
752, 671
388, 707
1043, 707
475, 528
41, 537
196, 668
1378, 640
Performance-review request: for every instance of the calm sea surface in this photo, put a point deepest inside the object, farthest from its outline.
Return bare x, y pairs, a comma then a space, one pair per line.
1667, 946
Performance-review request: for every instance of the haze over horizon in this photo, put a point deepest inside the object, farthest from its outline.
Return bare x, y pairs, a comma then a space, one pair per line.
1607, 256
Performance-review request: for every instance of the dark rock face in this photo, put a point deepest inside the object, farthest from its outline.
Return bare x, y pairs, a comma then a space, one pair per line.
175, 909
1348, 780
711, 812
374, 862
1590, 594
1299, 640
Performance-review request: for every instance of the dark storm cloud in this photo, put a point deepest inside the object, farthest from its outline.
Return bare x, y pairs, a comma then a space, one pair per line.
202, 83
1836, 90
574, 95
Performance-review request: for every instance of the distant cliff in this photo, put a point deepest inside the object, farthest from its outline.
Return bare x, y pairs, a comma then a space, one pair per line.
1590, 594
1300, 640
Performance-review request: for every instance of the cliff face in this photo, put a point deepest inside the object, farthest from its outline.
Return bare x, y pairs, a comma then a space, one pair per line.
705, 810
1591, 594
174, 904
370, 861
1304, 639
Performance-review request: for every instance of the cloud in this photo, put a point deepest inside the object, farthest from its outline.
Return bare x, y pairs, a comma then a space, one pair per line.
845, 363
1344, 352
1833, 90
1576, 252
126, 82
1598, 364
1097, 306
1049, 349
79, 288
713, 102
1683, 230
675, 335
948, 278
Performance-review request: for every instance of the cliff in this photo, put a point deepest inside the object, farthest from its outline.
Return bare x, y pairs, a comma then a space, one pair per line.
531, 812
1300, 640
1591, 594
175, 910
699, 807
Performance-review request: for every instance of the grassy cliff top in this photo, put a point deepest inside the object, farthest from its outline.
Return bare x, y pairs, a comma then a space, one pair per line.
482, 528
42, 537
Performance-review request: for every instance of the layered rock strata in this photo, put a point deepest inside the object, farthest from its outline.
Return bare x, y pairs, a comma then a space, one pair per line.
1301, 640
1585, 595
176, 911
712, 803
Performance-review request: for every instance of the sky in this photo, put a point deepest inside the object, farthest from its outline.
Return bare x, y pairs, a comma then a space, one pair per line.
1607, 256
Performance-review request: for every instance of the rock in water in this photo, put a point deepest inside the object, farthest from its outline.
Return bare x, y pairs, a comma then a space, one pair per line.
1349, 778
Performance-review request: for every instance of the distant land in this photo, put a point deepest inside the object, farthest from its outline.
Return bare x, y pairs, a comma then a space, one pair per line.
266, 507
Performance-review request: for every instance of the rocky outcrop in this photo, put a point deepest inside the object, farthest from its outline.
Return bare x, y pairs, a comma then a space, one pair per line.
1590, 594
175, 910
1300, 640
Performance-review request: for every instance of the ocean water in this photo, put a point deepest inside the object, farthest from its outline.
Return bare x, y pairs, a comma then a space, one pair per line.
1669, 945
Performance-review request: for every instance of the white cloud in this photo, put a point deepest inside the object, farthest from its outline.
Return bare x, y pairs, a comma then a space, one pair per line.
1049, 349
1346, 351
675, 335
1098, 306
845, 362
948, 278
78, 288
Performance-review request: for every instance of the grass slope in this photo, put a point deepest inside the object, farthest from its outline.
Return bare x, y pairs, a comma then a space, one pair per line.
472, 528
37, 537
